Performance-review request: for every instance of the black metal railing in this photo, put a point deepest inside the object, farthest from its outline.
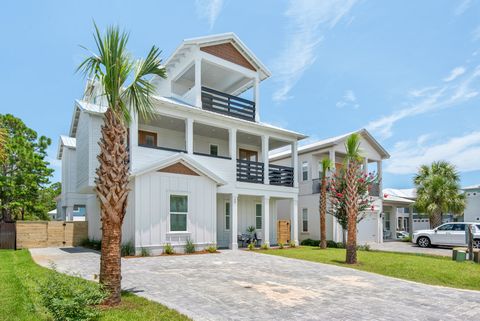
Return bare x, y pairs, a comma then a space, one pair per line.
280, 175
375, 189
249, 171
226, 104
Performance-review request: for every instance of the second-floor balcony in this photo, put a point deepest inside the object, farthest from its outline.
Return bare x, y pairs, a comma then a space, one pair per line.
254, 172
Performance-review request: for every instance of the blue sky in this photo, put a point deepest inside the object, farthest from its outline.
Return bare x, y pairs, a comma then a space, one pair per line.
409, 71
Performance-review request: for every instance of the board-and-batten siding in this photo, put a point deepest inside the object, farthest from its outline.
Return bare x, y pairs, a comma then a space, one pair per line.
152, 191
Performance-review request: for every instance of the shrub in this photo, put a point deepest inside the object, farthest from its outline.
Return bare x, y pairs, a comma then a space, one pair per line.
265, 246
70, 299
331, 243
168, 249
340, 245
407, 239
280, 245
251, 246
91, 244
365, 247
310, 242
145, 252
292, 244
211, 248
189, 247
127, 249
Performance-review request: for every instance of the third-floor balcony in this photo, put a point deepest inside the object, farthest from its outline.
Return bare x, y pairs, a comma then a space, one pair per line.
219, 102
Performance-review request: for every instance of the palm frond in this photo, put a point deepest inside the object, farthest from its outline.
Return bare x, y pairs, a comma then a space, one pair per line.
327, 164
352, 147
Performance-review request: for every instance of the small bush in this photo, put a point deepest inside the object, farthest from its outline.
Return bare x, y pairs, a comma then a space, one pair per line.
168, 249
280, 245
331, 243
211, 248
340, 245
365, 247
127, 249
91, 244
145, 252
71, 299
292, 244
265, 246
407, 239
251, 246
310, 242
189, 247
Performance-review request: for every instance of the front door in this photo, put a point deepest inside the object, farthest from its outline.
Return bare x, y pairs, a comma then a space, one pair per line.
245, 154
224, 222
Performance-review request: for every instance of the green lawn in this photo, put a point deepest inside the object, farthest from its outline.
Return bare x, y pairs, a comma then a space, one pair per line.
19, 300
428, 269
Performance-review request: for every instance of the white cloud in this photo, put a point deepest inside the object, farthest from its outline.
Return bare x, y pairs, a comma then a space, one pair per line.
308, 21
462, 7
348, 99
209, 10
462, 151
456, 72
429, 99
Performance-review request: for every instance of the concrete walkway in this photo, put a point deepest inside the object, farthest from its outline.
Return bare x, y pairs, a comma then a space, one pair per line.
240, 285
408, 247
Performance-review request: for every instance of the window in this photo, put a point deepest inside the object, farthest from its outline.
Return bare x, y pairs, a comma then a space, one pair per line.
446, 227
258, 216
458, 227
178, 213
147, 138
213, 150
245, 154
305, 219
386, 221
227, 216
79, 210
305, 171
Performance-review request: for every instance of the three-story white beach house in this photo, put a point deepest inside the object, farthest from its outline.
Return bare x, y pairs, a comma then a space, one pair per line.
199, 168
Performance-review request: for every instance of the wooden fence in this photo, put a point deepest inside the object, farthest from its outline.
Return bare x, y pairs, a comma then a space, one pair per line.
31, 234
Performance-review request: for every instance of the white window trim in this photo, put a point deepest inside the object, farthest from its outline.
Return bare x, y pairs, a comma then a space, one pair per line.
261, 216
303, 231
210, 149
229, 215
169, 213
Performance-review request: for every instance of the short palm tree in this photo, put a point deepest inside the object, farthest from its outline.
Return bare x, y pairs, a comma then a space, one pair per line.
326, 165
438, 187
353, 161
111, 68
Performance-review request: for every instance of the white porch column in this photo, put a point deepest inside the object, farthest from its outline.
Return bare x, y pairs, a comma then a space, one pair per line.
294, 220
337, 230
69, 213
256, 97
380, 177
365, 165
189, 135
198, 82
234, 206
266, 178
331, 155
232, 146
266, 219
295, 163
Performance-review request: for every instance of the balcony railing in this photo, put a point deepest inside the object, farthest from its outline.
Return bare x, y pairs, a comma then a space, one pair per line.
280, 175
249, 171
226, 104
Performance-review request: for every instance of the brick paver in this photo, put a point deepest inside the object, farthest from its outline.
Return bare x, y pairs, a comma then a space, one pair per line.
240, 285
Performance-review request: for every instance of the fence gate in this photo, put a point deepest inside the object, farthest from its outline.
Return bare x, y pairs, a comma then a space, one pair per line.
8, 236
283, 231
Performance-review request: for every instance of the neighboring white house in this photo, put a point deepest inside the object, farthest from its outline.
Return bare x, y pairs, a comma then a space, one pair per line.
309, 162
199, 169
398, 213
472, 210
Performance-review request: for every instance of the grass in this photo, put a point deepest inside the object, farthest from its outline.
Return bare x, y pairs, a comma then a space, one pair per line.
19, 299
429, 269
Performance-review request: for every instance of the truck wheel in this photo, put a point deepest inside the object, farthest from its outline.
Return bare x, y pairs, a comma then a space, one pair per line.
423, 241
476, 243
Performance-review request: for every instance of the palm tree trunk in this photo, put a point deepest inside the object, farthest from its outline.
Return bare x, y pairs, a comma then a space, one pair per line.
351, 204
112, 192
435, 219
323, 214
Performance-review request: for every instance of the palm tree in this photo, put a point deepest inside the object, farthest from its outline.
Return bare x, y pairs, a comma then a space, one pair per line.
111, 67
352, 159
438, 188
326, 165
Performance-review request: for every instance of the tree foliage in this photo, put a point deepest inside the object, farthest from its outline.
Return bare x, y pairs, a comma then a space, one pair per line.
438, 191
24, 171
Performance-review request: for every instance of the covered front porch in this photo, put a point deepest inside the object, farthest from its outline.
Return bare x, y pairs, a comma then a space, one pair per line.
241, 217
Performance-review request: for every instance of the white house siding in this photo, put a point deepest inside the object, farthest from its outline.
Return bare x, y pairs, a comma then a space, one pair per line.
472, 210
152, 192
167, 137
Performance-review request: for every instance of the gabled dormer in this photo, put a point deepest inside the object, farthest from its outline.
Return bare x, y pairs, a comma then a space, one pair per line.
216, 73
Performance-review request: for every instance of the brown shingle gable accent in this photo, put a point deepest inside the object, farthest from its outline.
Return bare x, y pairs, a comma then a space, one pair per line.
228, 52
178, 168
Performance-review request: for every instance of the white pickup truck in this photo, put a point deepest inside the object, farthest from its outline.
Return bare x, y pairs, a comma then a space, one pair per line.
448, 234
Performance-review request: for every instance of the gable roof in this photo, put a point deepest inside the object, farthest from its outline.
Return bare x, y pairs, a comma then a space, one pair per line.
217, 39
471, 187
332, 141
183, 159
65, 141
409, 193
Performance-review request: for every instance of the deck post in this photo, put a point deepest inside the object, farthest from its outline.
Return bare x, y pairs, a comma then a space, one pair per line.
234, 225
294, 219
265, 147
266, 219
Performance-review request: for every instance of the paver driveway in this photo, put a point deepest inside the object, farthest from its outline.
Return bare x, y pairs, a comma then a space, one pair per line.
239, 285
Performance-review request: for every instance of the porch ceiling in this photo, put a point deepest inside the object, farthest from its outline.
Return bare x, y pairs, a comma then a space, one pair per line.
164, 122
